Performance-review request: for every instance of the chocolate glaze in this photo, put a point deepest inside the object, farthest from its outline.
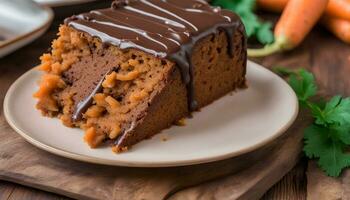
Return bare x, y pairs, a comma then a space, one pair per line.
83, 105
164, 28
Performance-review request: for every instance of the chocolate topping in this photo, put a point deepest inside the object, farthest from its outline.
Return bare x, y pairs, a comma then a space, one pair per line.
164, 28
120, 3
82, 106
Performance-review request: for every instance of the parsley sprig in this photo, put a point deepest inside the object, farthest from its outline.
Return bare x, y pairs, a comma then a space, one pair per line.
328, 138
253, 25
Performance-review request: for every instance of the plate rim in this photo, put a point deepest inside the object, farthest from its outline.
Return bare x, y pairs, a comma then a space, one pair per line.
61, 3
43, 26
175, 163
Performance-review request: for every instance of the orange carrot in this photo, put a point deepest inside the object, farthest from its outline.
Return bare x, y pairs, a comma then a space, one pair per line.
298, 18
339, 27
339, 9
336, 18
335, 8
272, 5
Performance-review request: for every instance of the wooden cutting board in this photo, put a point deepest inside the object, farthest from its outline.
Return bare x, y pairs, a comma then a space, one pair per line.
25, 164
323, 187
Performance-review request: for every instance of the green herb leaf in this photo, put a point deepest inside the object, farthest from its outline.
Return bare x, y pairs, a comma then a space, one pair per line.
302, 82
315, 138
283, 71
341, 133
329, 136
336, 111
254, 27
319, 144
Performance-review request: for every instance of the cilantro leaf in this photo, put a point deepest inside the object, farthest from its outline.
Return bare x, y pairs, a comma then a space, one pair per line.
341, 133
334, 160
303, 84
319, 144
316, 110
254, 27
315, 138
327, 139
337, 111
283, 71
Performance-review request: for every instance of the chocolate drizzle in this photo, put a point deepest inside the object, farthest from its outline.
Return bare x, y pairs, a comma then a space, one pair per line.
164, 28
120, 3
83, 105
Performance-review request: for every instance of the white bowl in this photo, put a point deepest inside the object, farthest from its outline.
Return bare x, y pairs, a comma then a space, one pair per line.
56, 3
21, 22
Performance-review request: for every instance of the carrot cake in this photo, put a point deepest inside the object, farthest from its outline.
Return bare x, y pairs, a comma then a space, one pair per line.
124, 73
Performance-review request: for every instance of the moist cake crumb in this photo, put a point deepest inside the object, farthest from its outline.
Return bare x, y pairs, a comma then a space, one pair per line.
180, 122
164, 138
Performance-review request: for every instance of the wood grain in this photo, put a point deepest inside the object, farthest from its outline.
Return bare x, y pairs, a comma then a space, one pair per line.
292, 186
22, 163
322, 187
6, 190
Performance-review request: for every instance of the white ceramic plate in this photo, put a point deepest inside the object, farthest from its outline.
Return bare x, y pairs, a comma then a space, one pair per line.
55, 3
232, 125
22, 21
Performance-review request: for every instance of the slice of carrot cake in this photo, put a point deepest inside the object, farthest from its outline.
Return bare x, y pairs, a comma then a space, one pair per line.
125, 73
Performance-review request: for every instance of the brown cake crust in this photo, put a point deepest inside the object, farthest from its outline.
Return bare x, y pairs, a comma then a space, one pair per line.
216, 73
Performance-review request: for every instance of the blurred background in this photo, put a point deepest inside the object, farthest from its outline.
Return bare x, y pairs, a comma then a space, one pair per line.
23, 21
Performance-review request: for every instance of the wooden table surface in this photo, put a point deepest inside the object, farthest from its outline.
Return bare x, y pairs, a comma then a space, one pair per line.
321, 53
